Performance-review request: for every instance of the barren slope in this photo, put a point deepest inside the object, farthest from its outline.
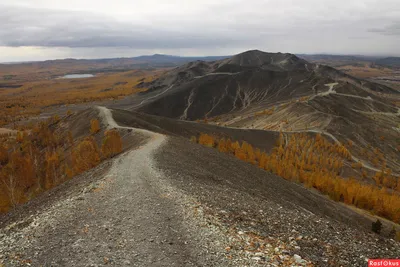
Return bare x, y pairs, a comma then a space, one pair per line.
170, 202
280, 92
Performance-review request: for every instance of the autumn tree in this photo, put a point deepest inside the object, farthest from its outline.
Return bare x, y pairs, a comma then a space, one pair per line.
318, 163
68, 171
18, 176
9, 181
85, 156
222, 146
112, 144
240, 153
3, 155
94, 126
207, 140
52, 169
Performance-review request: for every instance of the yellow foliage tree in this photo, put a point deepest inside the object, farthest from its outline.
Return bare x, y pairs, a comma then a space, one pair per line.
52, 169
85, 156
207, 140
112, 144
94, 126
222, 146
317, 163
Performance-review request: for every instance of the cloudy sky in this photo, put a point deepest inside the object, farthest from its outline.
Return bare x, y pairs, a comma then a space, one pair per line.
49, 29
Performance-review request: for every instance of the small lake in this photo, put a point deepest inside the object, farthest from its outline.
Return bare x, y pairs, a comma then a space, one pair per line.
76, 76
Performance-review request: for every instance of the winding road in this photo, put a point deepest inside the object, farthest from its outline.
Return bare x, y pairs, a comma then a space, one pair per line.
131, 216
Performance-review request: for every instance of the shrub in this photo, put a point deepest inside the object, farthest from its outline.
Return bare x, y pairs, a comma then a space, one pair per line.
377, 226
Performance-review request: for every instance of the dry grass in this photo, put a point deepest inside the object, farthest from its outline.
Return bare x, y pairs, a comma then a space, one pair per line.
29, 99
366, 71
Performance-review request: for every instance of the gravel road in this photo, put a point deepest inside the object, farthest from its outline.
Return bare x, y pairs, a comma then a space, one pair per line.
130, 217
169, 202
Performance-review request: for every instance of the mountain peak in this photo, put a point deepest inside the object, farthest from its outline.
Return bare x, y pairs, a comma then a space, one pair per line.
273, 61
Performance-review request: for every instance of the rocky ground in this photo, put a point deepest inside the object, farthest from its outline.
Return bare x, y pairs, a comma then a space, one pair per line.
127, 218
168, 202
267, 219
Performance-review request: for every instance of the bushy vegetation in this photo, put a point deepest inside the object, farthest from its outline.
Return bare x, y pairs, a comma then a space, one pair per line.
376, 226
316, 163
28, 100
37, 159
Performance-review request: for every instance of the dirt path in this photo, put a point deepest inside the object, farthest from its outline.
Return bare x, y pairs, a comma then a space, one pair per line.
216, 73
147, 99
110, 123
128, 218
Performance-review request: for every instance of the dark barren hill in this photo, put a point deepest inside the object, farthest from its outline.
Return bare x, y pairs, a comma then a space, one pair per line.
280, 92
241, 82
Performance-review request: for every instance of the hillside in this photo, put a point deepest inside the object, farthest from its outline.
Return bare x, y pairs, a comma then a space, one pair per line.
280, 92
169, 202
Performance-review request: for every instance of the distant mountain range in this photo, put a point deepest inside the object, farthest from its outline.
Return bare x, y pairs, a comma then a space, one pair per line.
151, 61
389, 61
160, 60
340, 60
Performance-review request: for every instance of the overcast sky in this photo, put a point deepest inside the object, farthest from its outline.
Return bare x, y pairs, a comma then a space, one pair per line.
49, 29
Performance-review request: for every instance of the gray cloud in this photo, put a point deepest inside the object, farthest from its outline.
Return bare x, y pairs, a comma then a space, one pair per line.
52, 28
310, 26
392, 29
55, 28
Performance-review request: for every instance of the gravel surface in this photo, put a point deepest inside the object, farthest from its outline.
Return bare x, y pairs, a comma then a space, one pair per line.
129, 217
265, 219
169, 202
